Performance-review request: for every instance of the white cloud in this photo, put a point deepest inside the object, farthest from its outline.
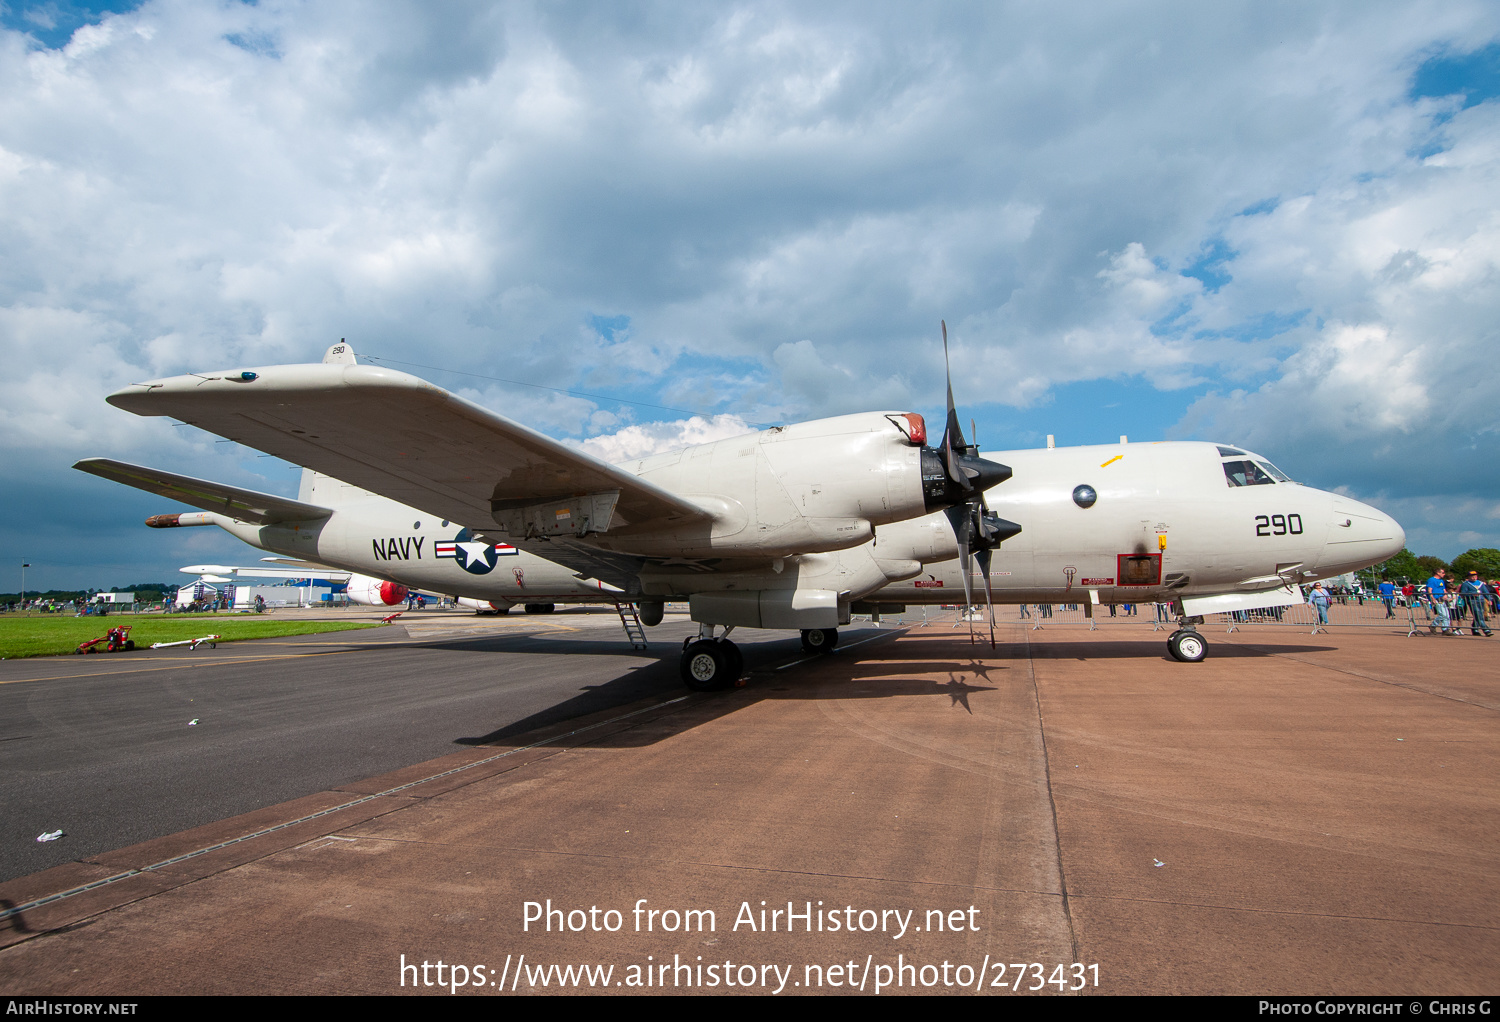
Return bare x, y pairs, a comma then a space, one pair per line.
645, 439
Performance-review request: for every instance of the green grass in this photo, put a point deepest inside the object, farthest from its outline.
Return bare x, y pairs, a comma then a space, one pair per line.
51, 636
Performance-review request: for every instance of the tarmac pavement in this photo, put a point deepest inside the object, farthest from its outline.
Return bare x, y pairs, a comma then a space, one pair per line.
1296, 815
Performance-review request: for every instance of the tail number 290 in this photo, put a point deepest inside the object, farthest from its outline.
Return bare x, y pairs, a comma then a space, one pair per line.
1278, 525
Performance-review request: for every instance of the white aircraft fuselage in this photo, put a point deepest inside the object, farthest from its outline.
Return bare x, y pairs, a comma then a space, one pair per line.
1165, 522
376, 539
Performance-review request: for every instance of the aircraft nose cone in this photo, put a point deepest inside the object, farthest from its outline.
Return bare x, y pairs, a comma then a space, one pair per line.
1359, 536
1397, 542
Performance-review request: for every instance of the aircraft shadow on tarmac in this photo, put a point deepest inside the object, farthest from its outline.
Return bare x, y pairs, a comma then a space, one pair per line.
862, 673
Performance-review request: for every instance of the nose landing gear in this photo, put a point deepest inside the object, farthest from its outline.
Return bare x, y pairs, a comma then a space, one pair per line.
1186, 644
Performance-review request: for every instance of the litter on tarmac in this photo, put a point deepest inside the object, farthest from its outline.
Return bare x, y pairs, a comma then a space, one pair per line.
1159, 863
193, 722
51, 835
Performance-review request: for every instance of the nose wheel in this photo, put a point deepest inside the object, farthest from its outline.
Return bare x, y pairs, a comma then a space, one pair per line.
1187, 646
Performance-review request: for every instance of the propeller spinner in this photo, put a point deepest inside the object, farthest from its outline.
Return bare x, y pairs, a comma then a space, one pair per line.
954, 478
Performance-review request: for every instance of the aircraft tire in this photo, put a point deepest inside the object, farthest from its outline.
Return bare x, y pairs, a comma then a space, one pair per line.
1188, 647
540, 608
819, 640
707, 666
737, 660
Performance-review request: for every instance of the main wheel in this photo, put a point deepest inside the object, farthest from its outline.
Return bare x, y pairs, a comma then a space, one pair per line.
736, 660
540, 608
708, 665
1189, 647
819, 640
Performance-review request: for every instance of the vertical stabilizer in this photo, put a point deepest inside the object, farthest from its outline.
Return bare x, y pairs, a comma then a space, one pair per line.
340, 352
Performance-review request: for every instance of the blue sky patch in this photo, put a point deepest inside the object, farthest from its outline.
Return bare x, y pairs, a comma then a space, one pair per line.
53, 22
1211, 265
1475, 76
1087, 412
258, 43
611, 328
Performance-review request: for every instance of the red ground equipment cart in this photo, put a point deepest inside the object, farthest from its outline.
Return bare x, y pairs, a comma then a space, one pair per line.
117, 638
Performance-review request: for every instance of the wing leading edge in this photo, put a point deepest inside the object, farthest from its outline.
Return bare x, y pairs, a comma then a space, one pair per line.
401, 437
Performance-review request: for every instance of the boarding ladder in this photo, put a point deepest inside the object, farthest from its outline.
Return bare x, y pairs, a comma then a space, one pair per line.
630, 617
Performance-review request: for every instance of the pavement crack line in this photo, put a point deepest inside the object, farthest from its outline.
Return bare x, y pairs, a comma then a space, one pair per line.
1294, 913
17, 910
1366, 677
780, 871
1062, 876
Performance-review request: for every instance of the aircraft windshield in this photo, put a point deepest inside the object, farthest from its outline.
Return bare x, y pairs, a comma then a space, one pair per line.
1276, 473
1230, 452
1246, 473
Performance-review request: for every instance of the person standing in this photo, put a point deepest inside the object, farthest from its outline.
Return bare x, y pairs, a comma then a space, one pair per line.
1474, 592
1388, 594
1319, 599
1437, 597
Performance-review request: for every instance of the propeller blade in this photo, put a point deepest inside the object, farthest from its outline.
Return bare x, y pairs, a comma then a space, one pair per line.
953, 434
983, 557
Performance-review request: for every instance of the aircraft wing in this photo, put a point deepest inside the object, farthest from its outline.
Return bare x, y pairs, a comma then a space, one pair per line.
246, 505
620, 570
403, 438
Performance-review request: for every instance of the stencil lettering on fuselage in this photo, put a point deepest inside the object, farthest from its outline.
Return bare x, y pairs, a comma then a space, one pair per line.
398, 549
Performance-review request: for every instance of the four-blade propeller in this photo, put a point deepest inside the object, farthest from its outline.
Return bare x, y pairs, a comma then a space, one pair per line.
978, 529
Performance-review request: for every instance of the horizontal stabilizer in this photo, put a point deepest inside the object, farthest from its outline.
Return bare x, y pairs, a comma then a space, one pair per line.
246, 505
293, 562
228, 573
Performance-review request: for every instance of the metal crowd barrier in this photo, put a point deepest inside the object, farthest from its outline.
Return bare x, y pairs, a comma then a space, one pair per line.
1417, 616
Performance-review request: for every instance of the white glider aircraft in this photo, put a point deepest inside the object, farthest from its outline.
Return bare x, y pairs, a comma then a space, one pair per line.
769, 530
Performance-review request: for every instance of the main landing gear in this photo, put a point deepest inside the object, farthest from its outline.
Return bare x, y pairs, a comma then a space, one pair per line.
1186, 644
710, 663
819, 640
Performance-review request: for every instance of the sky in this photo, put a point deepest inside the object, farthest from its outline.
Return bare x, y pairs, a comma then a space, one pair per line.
639, 225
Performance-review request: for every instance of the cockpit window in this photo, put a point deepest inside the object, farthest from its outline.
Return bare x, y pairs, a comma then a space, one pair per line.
1246, 473
1230, 452
1276, 473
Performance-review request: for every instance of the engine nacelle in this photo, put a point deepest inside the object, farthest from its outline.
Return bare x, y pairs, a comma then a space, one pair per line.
375, 592
811, 487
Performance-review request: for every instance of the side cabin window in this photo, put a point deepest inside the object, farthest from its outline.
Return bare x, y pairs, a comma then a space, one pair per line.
1246, 473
